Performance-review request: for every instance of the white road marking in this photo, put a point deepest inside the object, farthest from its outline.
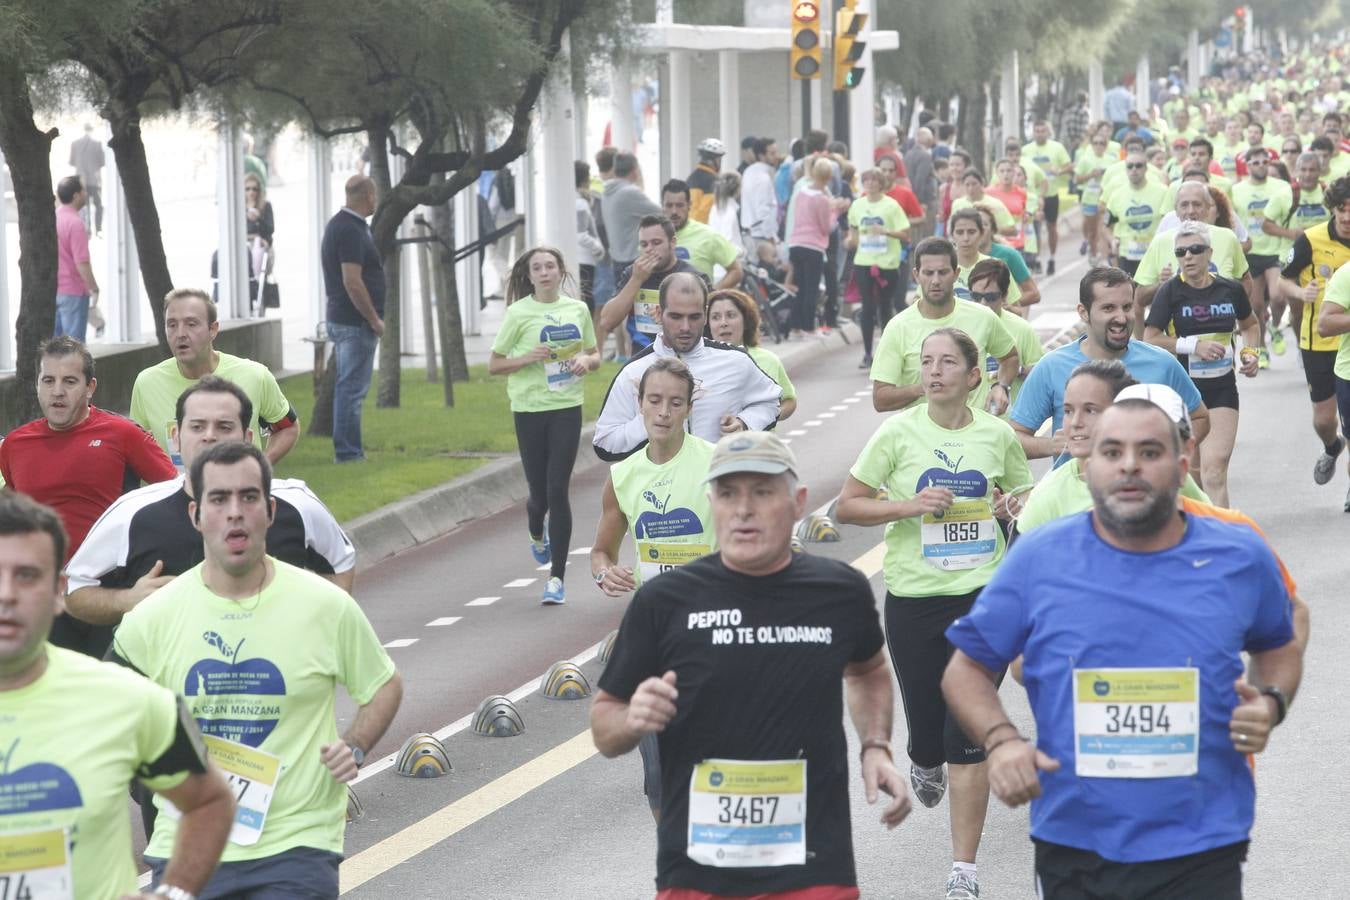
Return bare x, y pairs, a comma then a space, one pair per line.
544, 568
580, 551
482, 601
401, 642
812, 423
797, 432
841, 408
786, 440
852, 400
520, 582
825, 415
444, 620
866, 393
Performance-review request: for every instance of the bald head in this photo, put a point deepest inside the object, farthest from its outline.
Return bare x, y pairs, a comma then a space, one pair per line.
361, 194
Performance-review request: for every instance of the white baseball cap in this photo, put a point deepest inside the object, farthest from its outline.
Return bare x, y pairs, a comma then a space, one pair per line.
1162, 396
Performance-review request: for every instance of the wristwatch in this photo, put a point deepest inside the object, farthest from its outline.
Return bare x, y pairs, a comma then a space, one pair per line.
1281, 701
358, 754
174, 893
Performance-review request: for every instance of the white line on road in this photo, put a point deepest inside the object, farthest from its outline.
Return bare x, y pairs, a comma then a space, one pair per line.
840, 408
580, 551
852, 399
825, 415
401, 642
520, 582
544, 568
443, 620
866, 393
786, 440
482, 601
812, 423
797, 432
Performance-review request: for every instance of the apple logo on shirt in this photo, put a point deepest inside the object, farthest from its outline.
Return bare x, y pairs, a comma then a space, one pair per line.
36, 787
559, 333
234, 717
961, 482
661, 522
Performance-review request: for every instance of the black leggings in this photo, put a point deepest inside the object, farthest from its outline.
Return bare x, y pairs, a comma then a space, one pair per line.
807, 264
548, 450
916, 635
878, 301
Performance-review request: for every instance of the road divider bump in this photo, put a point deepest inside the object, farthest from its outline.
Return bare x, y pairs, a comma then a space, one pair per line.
818, 529
355, 808
565, 681
607, 646
423, 756
497, 716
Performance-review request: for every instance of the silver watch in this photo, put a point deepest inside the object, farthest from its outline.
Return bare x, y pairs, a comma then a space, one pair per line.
174, 893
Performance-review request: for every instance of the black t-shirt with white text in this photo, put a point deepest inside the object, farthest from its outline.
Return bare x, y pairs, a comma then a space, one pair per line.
759, 663
1190, 312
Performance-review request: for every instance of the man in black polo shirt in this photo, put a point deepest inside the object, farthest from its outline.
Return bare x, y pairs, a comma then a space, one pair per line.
146, 538
734, 662
353, 279
638, 299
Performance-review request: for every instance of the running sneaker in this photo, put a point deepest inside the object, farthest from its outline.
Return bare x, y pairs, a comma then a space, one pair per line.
866, 362
1263, 358
962, 886
1277, 341
1347, 501
554, 595
1325, 466
1082, 248
1050, 268
539, 548
929, 784
824, 331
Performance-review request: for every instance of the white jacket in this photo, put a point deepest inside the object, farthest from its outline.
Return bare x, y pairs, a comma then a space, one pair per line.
728, 382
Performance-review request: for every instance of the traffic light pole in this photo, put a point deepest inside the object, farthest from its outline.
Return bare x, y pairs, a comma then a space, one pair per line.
806, 108
839, 100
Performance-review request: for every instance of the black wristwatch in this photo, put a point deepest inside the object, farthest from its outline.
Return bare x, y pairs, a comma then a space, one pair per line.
1281, 701
358, 754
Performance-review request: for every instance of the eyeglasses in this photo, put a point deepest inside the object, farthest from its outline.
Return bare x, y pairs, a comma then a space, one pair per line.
1192, 250
1136, 165
1291, 150
250, 190
991, 297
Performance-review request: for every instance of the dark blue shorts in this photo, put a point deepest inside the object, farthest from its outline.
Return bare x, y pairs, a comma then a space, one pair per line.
301, 873
1343, 404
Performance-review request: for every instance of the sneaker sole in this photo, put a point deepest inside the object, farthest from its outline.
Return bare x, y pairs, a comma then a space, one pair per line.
549, 601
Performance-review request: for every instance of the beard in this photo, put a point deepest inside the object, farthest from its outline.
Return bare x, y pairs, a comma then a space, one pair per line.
1134, 521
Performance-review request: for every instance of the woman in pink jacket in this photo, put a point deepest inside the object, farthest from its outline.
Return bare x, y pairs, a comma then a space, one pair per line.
813, 216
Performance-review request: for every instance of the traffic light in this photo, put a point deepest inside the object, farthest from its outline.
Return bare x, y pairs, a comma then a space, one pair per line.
848, 50
805, 55
1240, 15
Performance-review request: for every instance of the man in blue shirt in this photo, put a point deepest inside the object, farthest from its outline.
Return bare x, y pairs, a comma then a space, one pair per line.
1106, 304
1131, 620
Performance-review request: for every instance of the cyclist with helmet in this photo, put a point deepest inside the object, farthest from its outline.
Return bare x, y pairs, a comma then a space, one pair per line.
703, 180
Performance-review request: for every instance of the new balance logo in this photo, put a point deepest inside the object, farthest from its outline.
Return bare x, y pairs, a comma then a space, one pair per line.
96, 443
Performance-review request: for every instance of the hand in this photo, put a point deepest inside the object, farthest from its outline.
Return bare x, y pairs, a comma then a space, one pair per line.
1165, 273
1252, 719
643, 267
1007, 506
377, 326
337, 756
618, 581
653, 705
579, 365
1311, 290
930, 500
879, 774
875, 229
998, 400
1059, 442
1209, 350
1249, 363
147, 584
252, 213
538, 354
93, 297
731, 424
1012, 771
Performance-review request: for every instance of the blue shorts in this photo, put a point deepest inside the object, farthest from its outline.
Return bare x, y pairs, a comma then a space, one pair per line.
301, 873
1343, 404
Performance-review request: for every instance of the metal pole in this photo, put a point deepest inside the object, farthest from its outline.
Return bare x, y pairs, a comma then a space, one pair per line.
839, 100
806, 107
6, 331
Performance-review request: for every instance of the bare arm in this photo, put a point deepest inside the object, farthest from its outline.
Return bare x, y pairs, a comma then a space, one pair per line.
372, 719
505, 365
786, 408
888, 397
609, 534
208, 813
1039, 447
279, 443
105, 606
345, 580
1200, 422
87, 274
735, 273
1333, 320
1031, 293
613, 313
356, 290
616, 726
868, 692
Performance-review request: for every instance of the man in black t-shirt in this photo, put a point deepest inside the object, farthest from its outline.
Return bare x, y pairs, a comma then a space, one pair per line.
734, 661
146, 538
637, 300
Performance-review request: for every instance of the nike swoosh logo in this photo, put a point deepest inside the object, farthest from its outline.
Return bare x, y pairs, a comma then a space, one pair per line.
1198, 563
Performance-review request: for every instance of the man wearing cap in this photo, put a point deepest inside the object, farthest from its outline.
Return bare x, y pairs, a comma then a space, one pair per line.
1137, 777
734, 661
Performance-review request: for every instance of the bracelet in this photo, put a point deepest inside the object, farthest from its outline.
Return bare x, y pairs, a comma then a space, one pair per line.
990, 749
1004, 724
1186, 345
875, 744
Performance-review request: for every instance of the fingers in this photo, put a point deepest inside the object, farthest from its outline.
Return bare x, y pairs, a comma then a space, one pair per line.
1046, 763
898, 810
1246, 693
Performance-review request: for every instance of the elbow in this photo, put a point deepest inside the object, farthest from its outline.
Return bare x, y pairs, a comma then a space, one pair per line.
1324, 327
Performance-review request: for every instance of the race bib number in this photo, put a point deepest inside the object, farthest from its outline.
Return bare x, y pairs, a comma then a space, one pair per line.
655, 557
869, 243
35, 865
960, 536
252, 776
558, 367
644, 312
1134, 250
1212, 368
747, 813
1136, 723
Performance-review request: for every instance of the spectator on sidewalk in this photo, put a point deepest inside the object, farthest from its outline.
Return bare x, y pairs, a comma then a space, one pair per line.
86, 158
76, 286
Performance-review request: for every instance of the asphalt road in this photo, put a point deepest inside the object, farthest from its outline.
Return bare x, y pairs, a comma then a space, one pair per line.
541, 815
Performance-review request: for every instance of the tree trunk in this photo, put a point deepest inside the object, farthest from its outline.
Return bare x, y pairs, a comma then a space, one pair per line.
321, 423
28, 153
391, 363
128, 146
453, 358
428, 289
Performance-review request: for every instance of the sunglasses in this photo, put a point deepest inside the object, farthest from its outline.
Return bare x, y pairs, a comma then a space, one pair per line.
1136, 165
991, 297
1192, 250
1291, 150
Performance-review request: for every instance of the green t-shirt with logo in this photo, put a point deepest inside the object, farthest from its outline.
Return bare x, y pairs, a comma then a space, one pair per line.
704, 247
1051, 157
667, 506
1090, 161
1309, 211
878, 250
896, 360
1118, 177
1037, 182
1338, 292
72, 741
1062, 492
772, 366
1273, 199
565, 326
1137, 212
263, 672
1227, 259
956, 552
154, 396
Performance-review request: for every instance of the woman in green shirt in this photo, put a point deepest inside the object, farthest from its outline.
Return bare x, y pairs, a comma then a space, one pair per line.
546, 345
949, 470
733, 318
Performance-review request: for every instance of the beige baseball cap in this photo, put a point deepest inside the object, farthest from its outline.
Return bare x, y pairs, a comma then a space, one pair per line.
751, 451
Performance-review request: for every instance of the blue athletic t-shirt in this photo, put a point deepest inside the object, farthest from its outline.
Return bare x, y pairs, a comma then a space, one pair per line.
1065, 600
1042, 394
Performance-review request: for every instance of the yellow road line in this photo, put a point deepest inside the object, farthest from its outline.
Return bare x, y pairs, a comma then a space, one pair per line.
450, 820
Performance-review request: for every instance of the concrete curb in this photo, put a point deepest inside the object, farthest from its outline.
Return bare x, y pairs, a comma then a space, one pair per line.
489, 489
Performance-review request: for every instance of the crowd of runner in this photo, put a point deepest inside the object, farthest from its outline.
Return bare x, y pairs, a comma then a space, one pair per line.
1216, 223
